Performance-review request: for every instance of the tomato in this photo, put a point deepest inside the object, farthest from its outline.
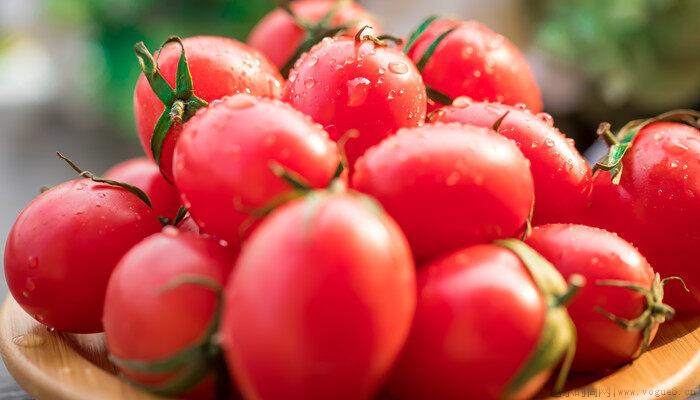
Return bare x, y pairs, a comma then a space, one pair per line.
346, 84
474, 61
278, 36
449, 186
656, 204
321, 301
63, 247
149, 316
479, 317
217, 67
144, 174
562, 177
600, 256
224, 156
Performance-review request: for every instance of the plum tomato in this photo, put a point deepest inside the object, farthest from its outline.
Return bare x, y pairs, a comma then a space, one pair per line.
484, 328
449, 186
618, 312
289, 31
458, 58
224, 157
164, 299
651, 195
562, 176
63, 247
320, 302
145, 174
357, 85
201, 69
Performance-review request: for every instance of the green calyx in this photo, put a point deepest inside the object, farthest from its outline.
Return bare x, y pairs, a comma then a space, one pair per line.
177, 220
190, 365
656, 311
180, 103
620, 143
89, 175
557, 342
314, 32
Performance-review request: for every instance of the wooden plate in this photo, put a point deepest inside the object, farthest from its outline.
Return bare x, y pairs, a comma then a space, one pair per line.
52, 365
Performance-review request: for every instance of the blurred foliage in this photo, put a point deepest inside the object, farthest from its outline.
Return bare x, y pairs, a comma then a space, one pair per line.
113, 26
637, 55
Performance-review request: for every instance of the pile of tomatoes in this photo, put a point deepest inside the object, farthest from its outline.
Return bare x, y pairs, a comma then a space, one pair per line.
335, 213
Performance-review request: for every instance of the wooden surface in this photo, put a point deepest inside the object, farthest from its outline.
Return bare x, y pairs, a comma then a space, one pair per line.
51, 365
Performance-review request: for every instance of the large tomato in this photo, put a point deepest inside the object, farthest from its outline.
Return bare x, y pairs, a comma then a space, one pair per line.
321, 301
656, 204
347, 84
471, 60
449, 185
164, 297
63, 247
562, 177
144, 174
281, 36
215, 67
618, 311
479, 319
224, 157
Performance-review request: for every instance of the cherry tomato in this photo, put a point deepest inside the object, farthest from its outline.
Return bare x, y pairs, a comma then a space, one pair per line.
656, 204
345, 85
158, 304
449, 186
603, 258
479, 317
321, 301
63, 247
218, 67
224, 157
474, 61
278, 35
562, 177
144, 174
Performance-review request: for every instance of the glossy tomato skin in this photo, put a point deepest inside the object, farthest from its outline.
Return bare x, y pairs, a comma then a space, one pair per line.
143, 322
562, 176
597, 255
344, 84
277, 36
478, 317
219, 67
320, 303
449, 186
223, 158
63, 247
145, 174
477, 62
657, 204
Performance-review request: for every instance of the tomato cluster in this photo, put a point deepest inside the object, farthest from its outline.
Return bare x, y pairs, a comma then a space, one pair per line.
323, 238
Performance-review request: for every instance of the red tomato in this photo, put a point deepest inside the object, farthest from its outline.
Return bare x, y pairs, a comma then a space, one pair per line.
145, 320
477, 62
145, 174
278, 36
562, 177
449, 186
219, 67
478, 318
345, 85
223, 158
656, 205
321, 301
601, 256
63, 247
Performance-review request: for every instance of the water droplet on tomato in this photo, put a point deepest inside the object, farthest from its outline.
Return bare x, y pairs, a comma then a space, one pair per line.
675, 147
358, 90
33, 261
223, 243
398, 67
25, 294
453, 179
381, 71
392, 95
30, 284
658, 136
309, 82
674, 164
313, 60
81, 212
462, 102
533, 145
101, 195
477, 74
520, 106
546, 118
467, 52
549, 142
28, 340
